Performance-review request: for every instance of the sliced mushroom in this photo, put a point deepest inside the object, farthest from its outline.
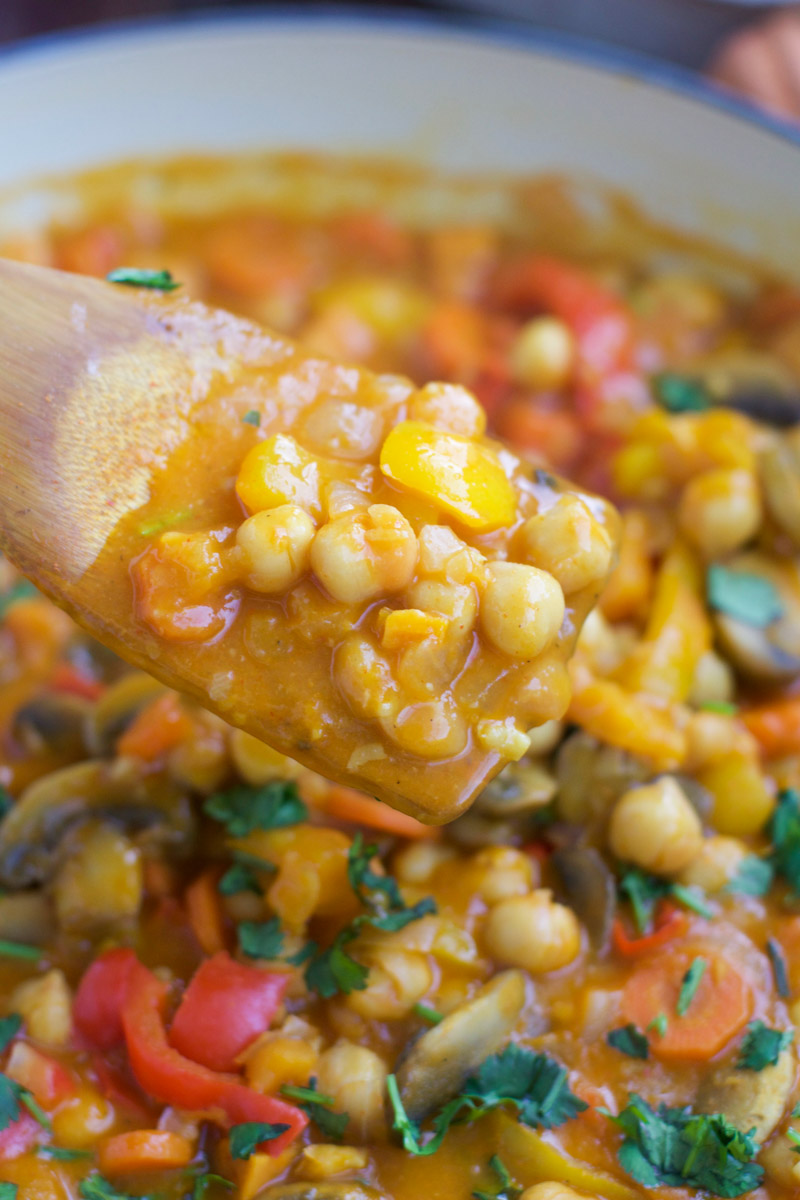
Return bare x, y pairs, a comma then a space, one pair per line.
779, 467
52, 722
770, 653
26, 917
750, 1099
437, 1065
588, 887
32, 832
591, 776
755, 384
519, 788
346, 1190
116, 709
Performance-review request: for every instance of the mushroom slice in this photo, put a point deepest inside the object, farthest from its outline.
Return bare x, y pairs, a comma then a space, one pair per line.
520, 788
779, 468
588, 887
436, 1066
769, 653
591, 776
346, 1190
33, 830
53, 722
750, 1099
116, 709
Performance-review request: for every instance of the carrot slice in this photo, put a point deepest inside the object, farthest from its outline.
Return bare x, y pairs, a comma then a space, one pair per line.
670, 923
721, 1006
143, 1150
204, 909
776, 727
156, 730
346, 804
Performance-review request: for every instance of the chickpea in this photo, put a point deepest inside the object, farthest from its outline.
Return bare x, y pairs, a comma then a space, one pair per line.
258, 763
711, 736
502, 872
341, 429
430, 728
363, 555
569, 543
417, 862
713, 680
45, 1004
532, 932
656, 827
715, 865
780, 1159
522, 609
364, 676
396, 981
553, 1191
720, 511
448, 406
274, 547
543, 355
544, 738
356, 1079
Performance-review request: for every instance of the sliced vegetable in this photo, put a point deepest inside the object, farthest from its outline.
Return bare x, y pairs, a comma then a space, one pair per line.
628, 1040
143, 277
144, 1150
243, 809
99, 1000
346, 804
762, 1046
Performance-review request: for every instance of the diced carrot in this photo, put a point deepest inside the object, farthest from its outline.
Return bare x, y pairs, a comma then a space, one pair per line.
721, 1006
373, 236
346, 804
776, 727
454, 341
204, 909
143, 1150
552, 433
67, 678
157, 729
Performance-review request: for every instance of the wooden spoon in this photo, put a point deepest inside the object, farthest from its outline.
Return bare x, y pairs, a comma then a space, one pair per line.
98, 382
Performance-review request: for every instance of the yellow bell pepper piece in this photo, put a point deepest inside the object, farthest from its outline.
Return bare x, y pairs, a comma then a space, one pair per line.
279, 471
612, 714
260, 1169
531, 1158
462, 477
404, 626
677, 635
742, 803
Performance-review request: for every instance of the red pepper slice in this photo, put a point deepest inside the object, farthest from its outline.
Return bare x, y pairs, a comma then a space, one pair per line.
67, 678
671, 922
97, 1010
225, 1007
167, 1075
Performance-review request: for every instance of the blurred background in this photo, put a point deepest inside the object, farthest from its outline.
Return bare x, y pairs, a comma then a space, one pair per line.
750, 46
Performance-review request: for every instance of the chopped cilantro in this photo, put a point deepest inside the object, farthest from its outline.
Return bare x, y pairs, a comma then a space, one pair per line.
205, 1180
692, 898
167, 521
62, 1154
430, 1016
243, 809
794, 1136
260, 939
303, 954
744, 596
252, 417
680, 393
689, 985
628, 1040
245, 1139
333, 970
535, 1084
545, 478
9, 1028
753, 877
762, 1046
659, 1024
23, 590
784, 832
12, 1095
779, 971
674, 1147
318, 1107
19, 950
643, 892
239, 878
96, 1187
724, 707
507, 1189
6, 803
143, 277
8, 1191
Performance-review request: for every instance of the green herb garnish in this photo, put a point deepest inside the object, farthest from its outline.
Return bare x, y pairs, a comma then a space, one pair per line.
744, 596
253, 417
19, 950
784, 833
644, 891
8, 1191
143, 277
168, 521
96, 1187
689, 985
62, 1154
778, 961
628, 1040
245, 1139
260, 939
239, 878
19, 591
9, 1028
753, 877
674, 1147
659, 1024
794, 1136
243, 809
762, 1046
679, 393
724, 707
12, 1095
506, 1189
6, 803
204, 1181
317, 1106
430, 1016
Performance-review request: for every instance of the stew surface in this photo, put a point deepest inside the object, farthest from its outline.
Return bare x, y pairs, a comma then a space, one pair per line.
221, 975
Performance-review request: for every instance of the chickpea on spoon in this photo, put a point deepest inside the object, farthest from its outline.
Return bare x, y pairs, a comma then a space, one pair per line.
337, 562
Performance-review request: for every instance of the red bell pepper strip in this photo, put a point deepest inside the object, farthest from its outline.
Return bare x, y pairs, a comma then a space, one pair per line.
67, 678
225, 1007
671, 922
47, 1079
167, 1075
19, 1137
97, 1009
